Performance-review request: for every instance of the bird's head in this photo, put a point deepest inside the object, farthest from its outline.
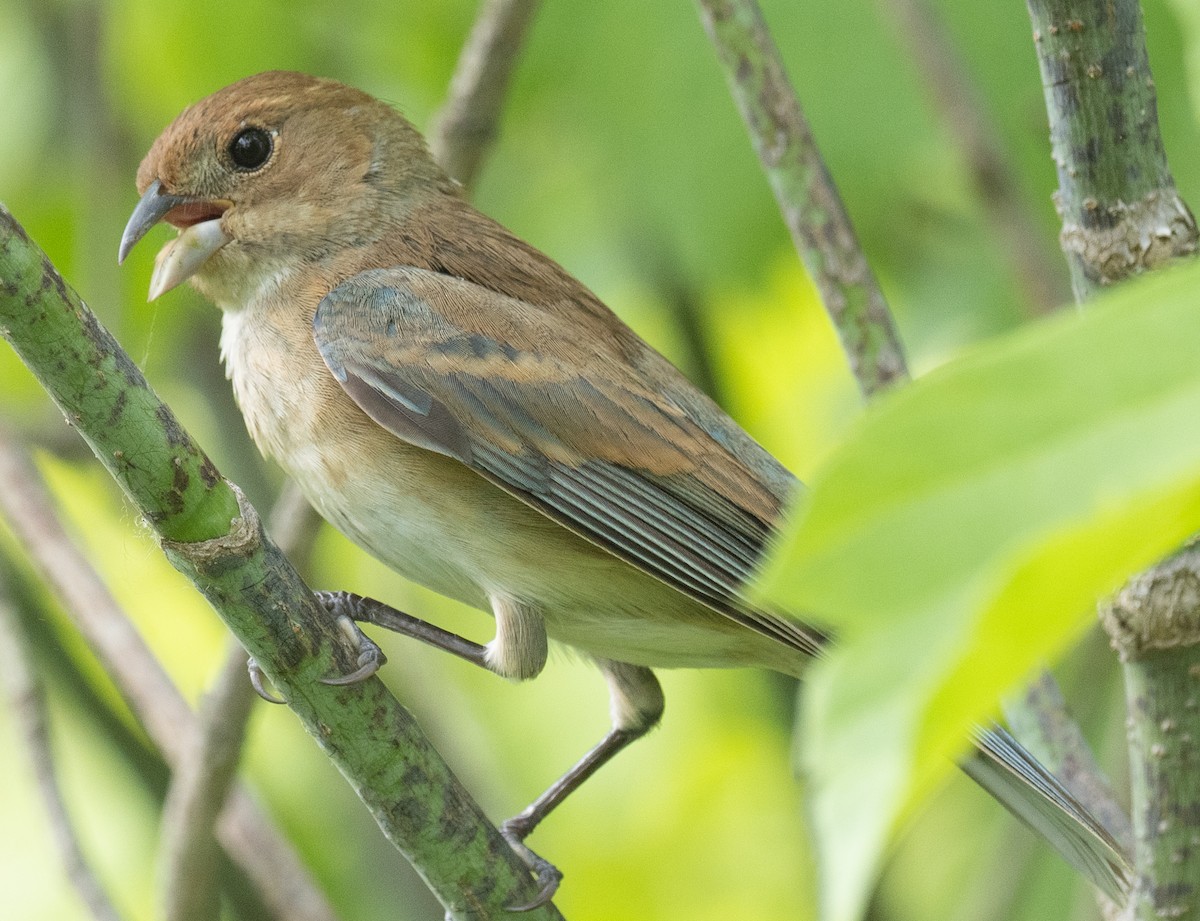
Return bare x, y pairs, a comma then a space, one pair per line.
276, 169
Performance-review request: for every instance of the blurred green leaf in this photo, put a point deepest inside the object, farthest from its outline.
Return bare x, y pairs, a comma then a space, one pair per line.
962, 534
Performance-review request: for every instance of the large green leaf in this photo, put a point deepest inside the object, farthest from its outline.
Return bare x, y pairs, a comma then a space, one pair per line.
962, 535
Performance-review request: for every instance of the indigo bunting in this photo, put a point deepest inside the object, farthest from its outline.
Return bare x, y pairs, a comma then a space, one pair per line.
461, 407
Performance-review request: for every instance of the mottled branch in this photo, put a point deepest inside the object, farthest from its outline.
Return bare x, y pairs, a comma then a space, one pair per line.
410, 791
1121, 215
200, 786
807, 197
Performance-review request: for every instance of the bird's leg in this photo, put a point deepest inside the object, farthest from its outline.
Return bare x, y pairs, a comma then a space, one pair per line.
518, 651
351, 609
636, 703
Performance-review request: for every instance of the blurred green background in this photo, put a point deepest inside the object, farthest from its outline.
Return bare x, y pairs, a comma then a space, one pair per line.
623, 157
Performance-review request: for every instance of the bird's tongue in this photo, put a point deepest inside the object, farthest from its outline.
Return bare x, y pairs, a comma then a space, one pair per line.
193, 212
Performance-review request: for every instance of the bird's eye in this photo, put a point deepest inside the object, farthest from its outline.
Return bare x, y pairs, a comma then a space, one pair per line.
250, 148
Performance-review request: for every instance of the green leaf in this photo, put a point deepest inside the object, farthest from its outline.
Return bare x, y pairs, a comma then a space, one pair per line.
962, 535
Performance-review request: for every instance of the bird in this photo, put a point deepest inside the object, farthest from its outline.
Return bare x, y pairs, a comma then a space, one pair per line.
473, 416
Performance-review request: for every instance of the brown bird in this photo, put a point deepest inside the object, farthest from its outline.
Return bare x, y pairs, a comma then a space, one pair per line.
470, 414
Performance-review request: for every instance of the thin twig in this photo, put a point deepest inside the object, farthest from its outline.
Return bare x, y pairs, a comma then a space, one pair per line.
811, 206
247, 833
199, 785
956, 96
468, 123
25, 693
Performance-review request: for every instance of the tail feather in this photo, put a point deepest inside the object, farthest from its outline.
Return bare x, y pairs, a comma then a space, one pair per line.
1019, 782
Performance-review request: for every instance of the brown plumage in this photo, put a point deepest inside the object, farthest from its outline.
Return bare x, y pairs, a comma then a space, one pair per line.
521, 375
459, 405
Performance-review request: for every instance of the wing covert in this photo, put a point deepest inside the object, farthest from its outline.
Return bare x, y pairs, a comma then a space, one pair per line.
470, 373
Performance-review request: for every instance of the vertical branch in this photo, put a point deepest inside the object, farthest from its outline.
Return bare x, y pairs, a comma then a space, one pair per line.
1154, 623
1122, 215
1166, 788
1120, 212
1039, 717
807, 198
469, 121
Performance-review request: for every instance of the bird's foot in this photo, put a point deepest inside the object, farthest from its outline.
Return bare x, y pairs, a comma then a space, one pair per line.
547, 874
370, 657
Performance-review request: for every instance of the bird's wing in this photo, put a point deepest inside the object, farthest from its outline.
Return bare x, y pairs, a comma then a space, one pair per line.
586, 435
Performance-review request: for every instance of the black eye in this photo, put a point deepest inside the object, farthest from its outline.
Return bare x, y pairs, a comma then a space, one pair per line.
250, 148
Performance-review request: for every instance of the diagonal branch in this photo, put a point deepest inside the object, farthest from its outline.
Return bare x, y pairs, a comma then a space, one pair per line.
212, 535
247, 833
468, 123
804, 190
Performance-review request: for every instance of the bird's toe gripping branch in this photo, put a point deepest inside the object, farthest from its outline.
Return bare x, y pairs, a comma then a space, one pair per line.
370, 657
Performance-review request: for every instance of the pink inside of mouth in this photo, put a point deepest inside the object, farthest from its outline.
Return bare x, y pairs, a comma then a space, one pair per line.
193, 212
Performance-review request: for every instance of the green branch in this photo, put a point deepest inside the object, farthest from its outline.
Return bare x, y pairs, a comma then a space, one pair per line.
1121, 215
213, 536
825, 240
1120, 211
805, 193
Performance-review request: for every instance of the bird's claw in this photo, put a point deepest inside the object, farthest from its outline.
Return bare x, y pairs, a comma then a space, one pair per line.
547, 874
370, 657
256, 682
370, 660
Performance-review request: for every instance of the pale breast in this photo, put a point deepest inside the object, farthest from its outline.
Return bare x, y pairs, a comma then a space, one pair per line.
440, 524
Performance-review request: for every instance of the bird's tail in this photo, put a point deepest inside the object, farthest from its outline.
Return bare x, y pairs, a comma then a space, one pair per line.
1019, 782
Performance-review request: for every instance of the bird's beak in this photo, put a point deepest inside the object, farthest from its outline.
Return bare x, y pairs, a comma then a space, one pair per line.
200, 234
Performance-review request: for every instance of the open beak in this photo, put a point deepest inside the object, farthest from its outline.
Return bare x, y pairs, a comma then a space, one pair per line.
200, 234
